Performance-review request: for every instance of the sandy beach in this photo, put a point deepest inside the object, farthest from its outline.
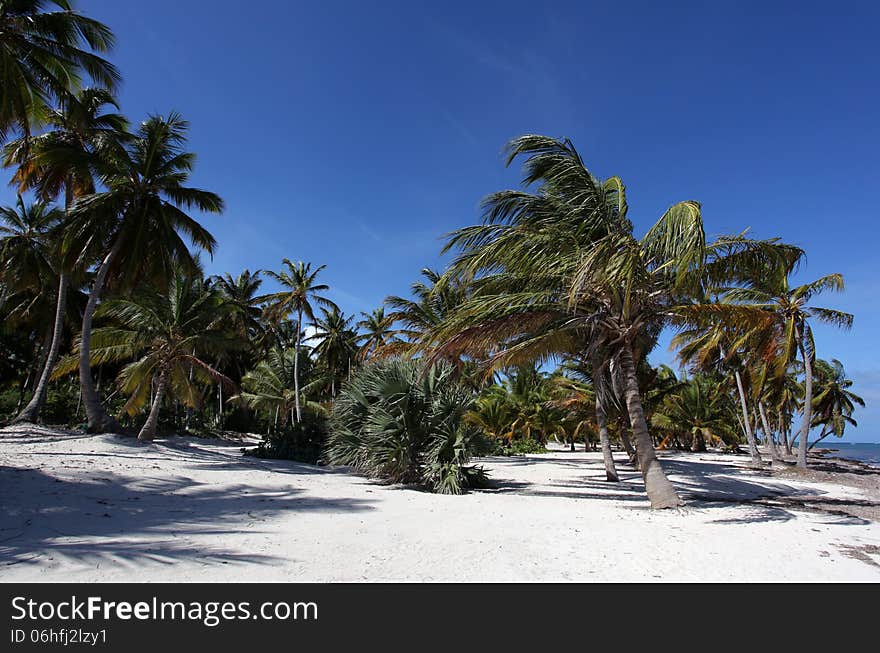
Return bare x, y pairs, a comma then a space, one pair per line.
106, 508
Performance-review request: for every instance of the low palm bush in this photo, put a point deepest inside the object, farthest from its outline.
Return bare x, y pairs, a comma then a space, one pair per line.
400, 422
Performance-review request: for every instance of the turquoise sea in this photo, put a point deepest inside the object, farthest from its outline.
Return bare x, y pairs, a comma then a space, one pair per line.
866, 452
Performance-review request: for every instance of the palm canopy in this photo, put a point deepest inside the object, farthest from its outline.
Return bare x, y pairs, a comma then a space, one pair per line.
47, 50
336, 342
141, 214
301, 291
834, 402
378, 335
170, 335
240, 295
27, 242
65, 157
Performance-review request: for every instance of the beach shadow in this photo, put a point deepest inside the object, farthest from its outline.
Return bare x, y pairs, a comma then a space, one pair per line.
114, 517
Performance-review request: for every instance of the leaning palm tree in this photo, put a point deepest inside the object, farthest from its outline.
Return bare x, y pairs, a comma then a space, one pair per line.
170, 335
46, 52
62, 161
300, 294
791, 313
558, 270
834, 402
133, 227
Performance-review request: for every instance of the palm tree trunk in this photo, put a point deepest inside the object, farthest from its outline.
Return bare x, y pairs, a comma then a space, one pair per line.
768, 434
808, 403
824, 434
747, 424
32, 411
660, 490
98, 419
296, 366
148, 431
602, 421
627, 444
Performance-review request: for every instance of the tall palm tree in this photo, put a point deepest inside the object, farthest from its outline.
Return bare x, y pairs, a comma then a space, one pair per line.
170, 335
28, 239
47, 49
336, 343
133, 227
791, 314
300, 295
63, 161
834, 402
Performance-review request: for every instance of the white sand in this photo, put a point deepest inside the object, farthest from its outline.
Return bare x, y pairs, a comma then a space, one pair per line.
106, 508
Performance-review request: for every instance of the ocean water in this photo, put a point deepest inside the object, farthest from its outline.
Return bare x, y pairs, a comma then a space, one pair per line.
866, 452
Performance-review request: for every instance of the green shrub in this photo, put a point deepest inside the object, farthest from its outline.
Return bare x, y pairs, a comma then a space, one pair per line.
516, 447
397, 421
302, 442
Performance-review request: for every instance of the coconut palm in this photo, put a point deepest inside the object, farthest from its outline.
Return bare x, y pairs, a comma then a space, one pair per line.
834, 402
170, 335
700, 411
134, 227
560, 268
269, 388
379, 337
47, 49
791, 313
336, 343
434, 299
301, 293
28, 261
62, 161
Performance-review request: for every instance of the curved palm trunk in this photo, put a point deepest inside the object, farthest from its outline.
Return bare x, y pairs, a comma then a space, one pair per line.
747, 424
808, 407
296, 366
32, 411
768, 434
602, 422
98, 419
660, 490
148, 431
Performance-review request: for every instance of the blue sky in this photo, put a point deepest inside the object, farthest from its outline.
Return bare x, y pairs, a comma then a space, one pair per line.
356, 134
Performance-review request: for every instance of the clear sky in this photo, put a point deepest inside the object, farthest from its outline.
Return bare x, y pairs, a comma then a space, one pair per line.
356, 134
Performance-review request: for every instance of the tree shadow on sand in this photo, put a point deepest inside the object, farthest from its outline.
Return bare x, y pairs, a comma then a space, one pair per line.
700, 483
134, 519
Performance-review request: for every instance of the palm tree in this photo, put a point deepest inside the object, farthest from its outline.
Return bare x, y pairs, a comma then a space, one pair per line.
269, 388
240, 295
700, 410
336, 343
169, 334
28, 238
378, 335
300, 293
434, 299
791, 329
560, 268
134, 227
834, 402
63, 160
45, 53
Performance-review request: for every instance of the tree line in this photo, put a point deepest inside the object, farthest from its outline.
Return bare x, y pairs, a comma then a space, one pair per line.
539, 328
